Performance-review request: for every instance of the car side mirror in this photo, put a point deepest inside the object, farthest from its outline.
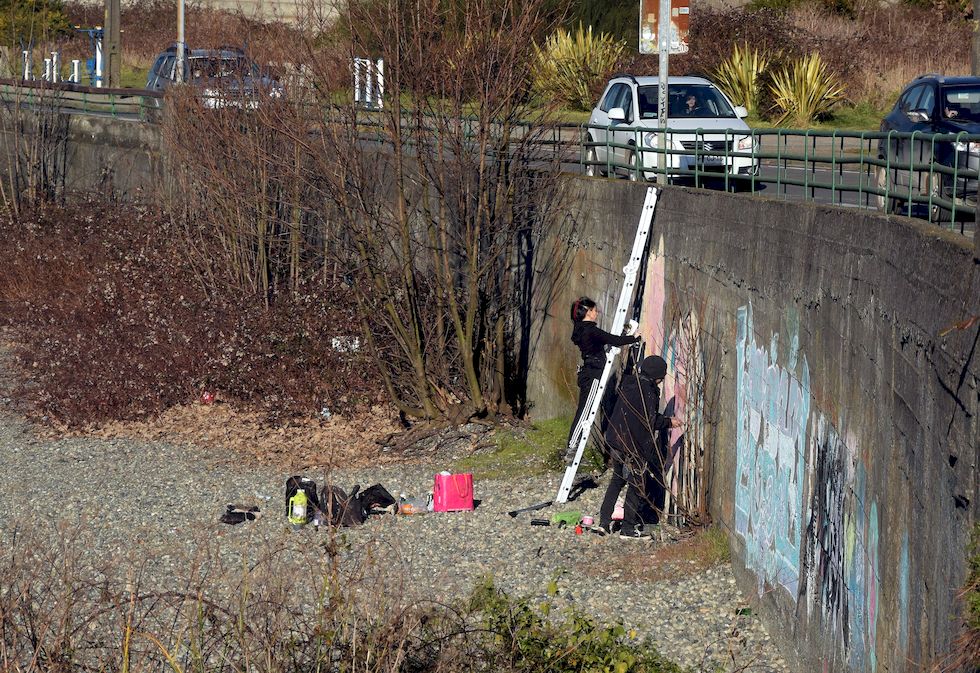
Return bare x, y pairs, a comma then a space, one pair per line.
617, 114
918, 116
741, 112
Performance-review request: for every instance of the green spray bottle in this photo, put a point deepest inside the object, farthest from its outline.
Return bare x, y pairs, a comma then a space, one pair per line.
298, 507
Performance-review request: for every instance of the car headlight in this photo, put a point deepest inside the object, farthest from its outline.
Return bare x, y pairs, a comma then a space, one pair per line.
746, 144
650, 139
972, 147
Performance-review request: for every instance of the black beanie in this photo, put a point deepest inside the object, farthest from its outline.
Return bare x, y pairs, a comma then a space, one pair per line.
653, 367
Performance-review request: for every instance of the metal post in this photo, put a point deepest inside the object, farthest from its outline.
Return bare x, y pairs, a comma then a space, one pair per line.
663, 42
99, 61
357, 80
113, 52
181, 45
975, 43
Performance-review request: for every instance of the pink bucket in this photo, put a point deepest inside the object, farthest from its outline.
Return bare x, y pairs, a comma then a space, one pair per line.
452, 492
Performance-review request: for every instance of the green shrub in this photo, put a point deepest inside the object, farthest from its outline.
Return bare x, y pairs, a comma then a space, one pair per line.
26, 22
570, 68
804, 91
739, 76
529, 638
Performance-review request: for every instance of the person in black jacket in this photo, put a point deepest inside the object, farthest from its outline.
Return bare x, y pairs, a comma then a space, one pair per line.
632, 441
592, 342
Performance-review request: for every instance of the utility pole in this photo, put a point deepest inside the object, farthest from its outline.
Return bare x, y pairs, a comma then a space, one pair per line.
112, 53
663, 43
975, 43
181, 45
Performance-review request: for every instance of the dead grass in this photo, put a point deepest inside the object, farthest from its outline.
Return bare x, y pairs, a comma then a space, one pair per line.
686, 554
242, 436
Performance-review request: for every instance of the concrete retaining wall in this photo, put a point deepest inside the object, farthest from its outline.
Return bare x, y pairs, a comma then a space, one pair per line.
839, 407
83, 153
843, 412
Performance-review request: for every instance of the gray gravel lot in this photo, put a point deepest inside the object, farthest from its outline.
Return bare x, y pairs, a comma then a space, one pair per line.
157, 505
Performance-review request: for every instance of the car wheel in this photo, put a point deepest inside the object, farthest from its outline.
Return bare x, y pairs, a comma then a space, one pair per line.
631, 162
882, 181
592, 168
937, 214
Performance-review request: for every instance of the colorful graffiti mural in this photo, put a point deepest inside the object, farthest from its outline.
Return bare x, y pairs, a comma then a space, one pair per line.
773, 407
677, 338
823, 556
841, 579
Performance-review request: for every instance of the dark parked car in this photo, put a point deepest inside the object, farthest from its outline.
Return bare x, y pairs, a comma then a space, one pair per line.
225, 77
933, 104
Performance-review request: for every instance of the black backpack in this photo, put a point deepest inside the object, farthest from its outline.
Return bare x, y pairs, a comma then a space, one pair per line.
340, 509
308, 486
377, 500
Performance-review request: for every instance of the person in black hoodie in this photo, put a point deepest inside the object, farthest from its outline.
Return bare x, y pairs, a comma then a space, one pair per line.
632, 441
592, 342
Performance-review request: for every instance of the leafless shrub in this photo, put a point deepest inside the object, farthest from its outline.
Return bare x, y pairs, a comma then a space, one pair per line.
419, 207
113, 321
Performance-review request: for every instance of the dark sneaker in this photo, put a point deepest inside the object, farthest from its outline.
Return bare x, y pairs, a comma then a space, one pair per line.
633, 534
600, 531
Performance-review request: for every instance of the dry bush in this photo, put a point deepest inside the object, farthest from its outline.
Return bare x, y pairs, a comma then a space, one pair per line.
288, 606
113, 321
150, 26
420, 209
874, 54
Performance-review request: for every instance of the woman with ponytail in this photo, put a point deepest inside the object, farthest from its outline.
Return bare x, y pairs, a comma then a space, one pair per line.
592, 342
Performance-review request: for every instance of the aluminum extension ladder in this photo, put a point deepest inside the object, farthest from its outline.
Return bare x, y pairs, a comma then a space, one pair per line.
580, 437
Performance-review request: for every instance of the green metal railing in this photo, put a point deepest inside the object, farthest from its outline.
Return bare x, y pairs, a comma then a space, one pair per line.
905, 173
916, 174
124, 103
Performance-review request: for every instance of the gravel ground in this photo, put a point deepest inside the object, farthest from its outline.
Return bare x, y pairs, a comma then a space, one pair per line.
156, 504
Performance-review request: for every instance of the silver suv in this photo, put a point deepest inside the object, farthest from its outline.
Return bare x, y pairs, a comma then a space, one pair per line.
704, 129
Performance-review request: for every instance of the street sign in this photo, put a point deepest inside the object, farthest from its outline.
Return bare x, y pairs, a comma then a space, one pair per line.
680, 20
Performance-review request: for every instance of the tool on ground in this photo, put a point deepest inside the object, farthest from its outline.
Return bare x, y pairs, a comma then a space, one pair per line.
584, 482
580, 435
570, 518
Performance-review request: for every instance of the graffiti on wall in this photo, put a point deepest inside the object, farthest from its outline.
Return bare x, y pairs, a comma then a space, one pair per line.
841, 577
823, 556
676, 337
773, 406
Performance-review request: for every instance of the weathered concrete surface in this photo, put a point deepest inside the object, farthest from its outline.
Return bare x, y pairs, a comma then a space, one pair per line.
83, 153
844, 406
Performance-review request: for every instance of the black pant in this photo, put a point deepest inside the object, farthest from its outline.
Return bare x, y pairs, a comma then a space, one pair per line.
586, 377
622, 476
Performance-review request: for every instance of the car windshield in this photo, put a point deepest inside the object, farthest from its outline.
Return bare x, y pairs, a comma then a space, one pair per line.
214, 67
697, 101
961, 103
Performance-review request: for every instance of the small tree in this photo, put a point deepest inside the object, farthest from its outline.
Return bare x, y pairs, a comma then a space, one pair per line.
26, 22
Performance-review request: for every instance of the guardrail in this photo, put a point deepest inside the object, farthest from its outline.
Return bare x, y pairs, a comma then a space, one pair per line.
123, 103
916, 174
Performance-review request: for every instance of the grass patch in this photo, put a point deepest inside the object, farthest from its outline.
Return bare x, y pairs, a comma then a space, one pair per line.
521, 452
860, 117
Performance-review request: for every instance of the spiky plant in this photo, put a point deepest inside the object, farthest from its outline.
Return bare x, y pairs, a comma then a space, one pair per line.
738, 76
804, 90
571, 67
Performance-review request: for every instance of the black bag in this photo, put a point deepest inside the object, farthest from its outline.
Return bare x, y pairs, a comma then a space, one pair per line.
294, 484
377, 499
340, 509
